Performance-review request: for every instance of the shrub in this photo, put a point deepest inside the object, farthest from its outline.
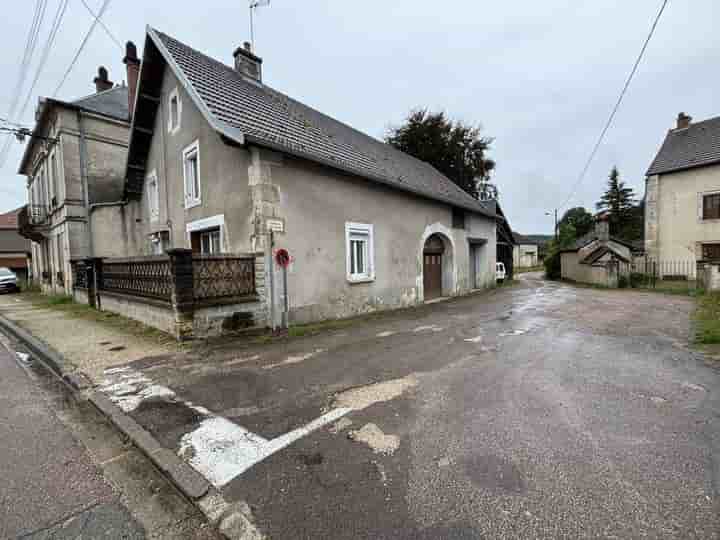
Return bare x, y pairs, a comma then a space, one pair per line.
553, 269
623, 282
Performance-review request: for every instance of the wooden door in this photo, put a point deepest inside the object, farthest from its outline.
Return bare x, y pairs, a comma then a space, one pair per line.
432, 275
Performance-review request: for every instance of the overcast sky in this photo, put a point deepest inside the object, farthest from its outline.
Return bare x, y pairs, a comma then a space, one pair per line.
540, 77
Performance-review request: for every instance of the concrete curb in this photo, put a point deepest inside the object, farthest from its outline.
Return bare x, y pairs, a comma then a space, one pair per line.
232, 520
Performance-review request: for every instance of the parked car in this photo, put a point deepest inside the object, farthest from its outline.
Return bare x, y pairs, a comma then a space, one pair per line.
8, 281
500, 273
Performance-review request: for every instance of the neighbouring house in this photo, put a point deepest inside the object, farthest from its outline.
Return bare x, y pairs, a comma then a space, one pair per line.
14, 249
221, 163
682, 196
528, 251
75, 166
597, 258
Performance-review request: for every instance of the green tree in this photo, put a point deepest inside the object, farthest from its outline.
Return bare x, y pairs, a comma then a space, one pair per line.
580, 219
619, 201
455, 149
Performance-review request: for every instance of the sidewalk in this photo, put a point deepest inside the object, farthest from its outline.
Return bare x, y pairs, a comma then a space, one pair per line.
89, 341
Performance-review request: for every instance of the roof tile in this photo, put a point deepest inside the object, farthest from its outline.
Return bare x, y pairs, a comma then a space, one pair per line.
266, 116
694, 146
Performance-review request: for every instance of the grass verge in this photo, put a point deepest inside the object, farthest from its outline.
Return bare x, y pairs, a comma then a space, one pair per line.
68, 306
707, 319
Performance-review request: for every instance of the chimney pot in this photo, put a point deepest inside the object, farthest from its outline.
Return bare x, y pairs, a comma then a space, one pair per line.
247, 63
132, 64
683, 120
102, 82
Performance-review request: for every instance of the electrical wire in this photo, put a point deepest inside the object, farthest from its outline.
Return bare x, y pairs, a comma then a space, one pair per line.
57, 21
102, 24
29, 51
615, 108
82, 46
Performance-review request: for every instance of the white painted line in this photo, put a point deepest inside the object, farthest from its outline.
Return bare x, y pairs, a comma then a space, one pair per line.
221, 450
476, 339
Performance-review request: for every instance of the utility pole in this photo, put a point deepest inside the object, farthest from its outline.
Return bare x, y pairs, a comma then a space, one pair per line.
556, 224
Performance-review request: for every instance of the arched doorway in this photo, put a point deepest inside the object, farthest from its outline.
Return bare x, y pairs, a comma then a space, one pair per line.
433, 266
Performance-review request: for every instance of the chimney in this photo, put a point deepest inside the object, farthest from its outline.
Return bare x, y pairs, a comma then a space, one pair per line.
102, 82
247, 64
602, 228
132, 62
683, 120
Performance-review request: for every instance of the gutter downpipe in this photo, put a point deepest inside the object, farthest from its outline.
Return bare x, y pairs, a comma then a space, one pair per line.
83, 178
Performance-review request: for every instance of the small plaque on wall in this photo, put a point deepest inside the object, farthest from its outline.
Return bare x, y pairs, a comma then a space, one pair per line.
275, 225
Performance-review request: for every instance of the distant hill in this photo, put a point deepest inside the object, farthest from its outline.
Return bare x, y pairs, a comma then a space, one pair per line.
534, 239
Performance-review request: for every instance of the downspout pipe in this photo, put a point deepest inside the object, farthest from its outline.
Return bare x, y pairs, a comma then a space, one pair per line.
84, 180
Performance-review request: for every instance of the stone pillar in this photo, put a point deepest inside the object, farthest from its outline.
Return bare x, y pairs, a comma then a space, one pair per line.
183, 293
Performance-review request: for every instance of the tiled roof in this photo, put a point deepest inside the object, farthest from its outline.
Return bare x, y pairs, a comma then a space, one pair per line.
694, 146
258, 114
113, 103
9, 219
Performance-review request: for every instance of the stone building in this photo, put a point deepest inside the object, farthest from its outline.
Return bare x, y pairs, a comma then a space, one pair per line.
75, 167
220, 162
682, 194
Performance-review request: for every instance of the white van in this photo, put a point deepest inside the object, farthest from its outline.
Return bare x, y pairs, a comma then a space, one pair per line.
500, 273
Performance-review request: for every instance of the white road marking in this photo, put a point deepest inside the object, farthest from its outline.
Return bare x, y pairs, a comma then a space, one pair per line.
218, 449
221, 450
295, 359
432, 327
476, 339
386, 334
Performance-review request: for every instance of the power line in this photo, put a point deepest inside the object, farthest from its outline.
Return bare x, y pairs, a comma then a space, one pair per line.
102, 24
82, 46
28, 53
617, 106
57, 21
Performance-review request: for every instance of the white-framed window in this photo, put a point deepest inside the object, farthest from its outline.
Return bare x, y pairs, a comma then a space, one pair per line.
207, 235
174, 111
191, 170
209, 241
360, 252
153, 196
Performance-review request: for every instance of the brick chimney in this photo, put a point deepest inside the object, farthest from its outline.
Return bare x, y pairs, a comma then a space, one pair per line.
683, 120
247, 63
132, 63
102, 82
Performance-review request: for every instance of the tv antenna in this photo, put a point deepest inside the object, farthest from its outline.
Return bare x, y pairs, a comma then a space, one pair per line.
254, 4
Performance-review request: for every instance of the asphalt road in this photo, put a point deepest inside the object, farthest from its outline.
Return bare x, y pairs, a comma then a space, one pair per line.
50, 487
537, 411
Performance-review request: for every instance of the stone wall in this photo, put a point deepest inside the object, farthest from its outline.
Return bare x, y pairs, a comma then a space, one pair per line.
709, 276
154, 314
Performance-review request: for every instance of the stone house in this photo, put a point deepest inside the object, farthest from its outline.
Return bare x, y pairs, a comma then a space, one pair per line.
75, 165
220, 162
682, 194
14, 249
597, 258
526, 252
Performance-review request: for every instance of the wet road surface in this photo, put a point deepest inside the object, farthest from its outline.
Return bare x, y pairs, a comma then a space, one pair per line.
50, 487
537, 411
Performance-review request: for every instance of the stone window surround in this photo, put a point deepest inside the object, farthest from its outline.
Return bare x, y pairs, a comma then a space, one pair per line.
701, 197
204, 224
363, 229
174, 123
191, 202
